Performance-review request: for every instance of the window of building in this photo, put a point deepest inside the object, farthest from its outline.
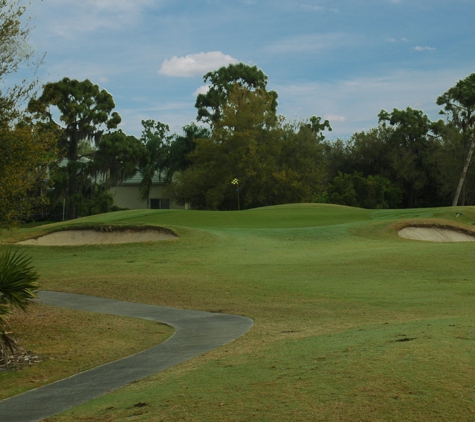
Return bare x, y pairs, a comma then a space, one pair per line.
159, 204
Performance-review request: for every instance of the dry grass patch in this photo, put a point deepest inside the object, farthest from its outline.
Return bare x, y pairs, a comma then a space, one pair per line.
70, 341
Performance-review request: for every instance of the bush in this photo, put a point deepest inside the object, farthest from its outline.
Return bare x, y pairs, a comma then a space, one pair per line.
18, 286
358, 191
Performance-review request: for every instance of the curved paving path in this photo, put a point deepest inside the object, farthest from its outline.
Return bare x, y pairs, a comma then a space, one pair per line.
196, 332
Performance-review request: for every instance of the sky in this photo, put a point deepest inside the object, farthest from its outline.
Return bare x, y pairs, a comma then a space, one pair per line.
344, 60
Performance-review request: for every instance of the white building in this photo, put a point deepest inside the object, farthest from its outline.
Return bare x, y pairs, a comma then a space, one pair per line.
126, 195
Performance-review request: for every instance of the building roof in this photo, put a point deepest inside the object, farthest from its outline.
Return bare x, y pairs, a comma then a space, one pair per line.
136, 179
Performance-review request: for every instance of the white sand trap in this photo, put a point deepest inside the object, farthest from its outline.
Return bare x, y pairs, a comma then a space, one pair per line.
93, 237
435, 234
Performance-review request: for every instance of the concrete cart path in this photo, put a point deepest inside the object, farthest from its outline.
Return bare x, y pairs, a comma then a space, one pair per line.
196, 332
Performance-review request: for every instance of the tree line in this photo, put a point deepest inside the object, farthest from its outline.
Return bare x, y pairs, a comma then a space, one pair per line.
240, 136
406, 161
240, 153
25, 152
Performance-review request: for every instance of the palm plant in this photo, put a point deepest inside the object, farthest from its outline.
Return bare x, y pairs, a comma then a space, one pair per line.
18, 286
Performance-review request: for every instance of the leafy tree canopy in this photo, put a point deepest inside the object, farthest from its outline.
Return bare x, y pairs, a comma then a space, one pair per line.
355, 190
317, 127
459, 108
181, 146
275, 162
26, 150
410, 146
222, 81
155, 140
459, 103
85, 113
411, 126
117, 156
15, 51
84, 110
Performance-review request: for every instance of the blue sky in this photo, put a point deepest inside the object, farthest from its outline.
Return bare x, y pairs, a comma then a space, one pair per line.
343, 60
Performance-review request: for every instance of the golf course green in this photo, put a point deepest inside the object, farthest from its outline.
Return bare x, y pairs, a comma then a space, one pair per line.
351, 322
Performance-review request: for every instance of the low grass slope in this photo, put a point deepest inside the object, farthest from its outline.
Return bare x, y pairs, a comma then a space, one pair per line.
351, 321
283, 216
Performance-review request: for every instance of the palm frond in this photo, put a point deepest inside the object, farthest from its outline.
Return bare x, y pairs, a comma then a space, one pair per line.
18, 286
18, 280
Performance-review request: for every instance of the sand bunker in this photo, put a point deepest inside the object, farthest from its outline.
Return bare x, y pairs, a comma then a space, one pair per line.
436, 234
94, 237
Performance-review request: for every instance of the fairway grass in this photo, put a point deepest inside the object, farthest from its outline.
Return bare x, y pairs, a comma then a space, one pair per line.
351, 322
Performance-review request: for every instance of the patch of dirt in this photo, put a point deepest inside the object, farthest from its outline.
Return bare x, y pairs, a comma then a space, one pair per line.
436, 234
20, 360
98, 237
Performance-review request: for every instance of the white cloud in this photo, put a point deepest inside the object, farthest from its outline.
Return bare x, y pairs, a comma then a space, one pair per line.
335, 118
318, 8
395, 40
315, 42
195, 64
79, 16
314, 8
419, 48
201, 90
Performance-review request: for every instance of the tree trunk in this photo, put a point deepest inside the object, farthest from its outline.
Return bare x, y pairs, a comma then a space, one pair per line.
71, 206
464, 172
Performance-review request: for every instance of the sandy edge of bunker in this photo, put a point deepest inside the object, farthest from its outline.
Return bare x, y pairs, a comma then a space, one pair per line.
101, 236
437, 234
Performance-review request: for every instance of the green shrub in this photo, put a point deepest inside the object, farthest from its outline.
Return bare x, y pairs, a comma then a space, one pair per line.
18, 286
355, 190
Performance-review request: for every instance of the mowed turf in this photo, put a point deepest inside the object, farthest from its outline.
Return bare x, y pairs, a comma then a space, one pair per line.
351, 322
